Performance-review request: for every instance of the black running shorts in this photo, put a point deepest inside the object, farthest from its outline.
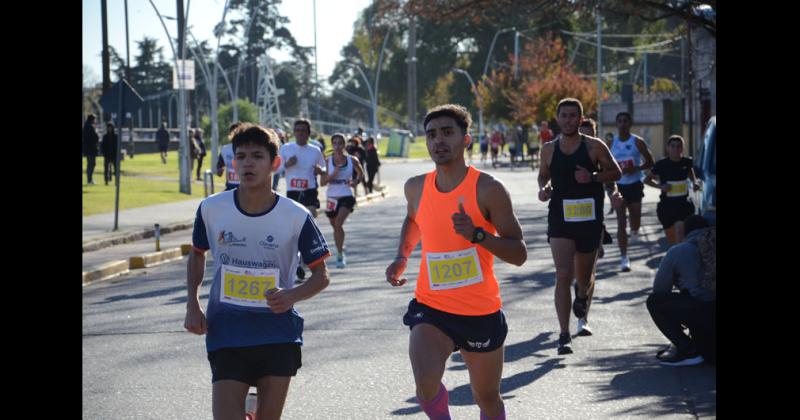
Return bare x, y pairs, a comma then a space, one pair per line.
346, 201
308, 198
249, 364
632, 193
479, 334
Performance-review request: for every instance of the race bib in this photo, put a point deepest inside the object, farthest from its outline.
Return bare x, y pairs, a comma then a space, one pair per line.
299, 183
451, 270
627, 163
332, 202
246, 286
581, 210
678, 188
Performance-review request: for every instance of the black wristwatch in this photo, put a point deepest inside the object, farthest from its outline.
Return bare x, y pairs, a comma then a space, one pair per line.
478, 235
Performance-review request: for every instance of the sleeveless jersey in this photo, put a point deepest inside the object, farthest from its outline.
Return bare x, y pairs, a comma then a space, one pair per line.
339, 186
455, 276
627, 154
573, 205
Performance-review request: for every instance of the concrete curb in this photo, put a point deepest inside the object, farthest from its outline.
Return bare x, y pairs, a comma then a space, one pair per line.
106, 271
126, 237
155, 258
114, 268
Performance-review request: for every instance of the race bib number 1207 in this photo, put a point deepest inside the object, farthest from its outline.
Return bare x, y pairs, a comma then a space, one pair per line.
450, 270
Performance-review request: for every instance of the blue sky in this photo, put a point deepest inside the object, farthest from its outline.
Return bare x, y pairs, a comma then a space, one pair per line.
335, 20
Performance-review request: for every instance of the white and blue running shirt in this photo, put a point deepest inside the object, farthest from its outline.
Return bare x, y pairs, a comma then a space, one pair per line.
627, 154
251, 253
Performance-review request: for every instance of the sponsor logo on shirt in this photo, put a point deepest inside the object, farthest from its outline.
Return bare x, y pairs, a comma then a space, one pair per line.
224, 258
268, 243
228, 238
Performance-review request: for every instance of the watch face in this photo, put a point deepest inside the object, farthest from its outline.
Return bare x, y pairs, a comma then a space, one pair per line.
480, 235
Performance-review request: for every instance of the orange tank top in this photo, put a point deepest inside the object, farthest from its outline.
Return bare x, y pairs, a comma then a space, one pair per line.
455, 276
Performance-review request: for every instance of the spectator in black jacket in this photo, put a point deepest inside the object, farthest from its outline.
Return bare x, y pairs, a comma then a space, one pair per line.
162, 139
90, 140
373, 162
354, 149
109, 148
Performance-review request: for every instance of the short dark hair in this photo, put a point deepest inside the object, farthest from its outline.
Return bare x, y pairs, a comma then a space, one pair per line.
694, 222
454, 111
303, 121
248, 133
91, 117
569, 102
626, 113
588, 122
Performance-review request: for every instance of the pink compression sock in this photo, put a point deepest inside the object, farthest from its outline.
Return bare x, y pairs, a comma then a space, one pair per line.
502, 416
437, 408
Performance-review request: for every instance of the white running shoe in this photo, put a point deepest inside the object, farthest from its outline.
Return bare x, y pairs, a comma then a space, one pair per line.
583, 328
634, 236
625, 264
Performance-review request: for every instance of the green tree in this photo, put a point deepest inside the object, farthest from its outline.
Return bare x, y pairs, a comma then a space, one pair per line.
248, 112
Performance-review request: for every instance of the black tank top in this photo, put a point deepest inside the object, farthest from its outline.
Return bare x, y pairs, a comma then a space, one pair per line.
562, 171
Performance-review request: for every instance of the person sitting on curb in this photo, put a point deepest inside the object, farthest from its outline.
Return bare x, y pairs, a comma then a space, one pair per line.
694, 304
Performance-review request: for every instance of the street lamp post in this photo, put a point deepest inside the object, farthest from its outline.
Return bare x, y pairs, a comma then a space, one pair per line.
183, 155
491, 47
371, 95
480, 102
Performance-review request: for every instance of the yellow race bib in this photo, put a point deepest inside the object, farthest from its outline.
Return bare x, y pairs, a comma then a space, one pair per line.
678, 188
246, 286
580, 210
450, 270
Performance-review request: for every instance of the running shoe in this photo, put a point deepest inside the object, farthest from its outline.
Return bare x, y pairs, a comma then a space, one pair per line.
666, 352
625, 264
340, 261
583, 328
564, 341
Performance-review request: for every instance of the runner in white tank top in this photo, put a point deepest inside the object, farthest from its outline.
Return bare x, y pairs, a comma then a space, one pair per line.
340, 203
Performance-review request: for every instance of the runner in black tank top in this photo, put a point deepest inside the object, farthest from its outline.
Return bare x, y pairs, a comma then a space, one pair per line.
575, 218
562, 169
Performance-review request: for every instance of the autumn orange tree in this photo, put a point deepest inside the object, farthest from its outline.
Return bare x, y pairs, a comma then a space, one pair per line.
545, 77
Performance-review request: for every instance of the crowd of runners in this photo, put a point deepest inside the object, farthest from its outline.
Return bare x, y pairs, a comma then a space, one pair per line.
463, 217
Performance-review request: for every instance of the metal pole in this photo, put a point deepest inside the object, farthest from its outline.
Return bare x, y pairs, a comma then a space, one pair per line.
120, 119
158, 237
316, 61
599, 75
516, 55
106, 59
412, 76
185, 156
478, 96
491, 47
377, 80
644, 79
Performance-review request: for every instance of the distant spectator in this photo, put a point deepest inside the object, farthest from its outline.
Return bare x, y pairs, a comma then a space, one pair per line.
109, 148
197, 141
162, 139
354, 148
373, 163
689, 267
90, 140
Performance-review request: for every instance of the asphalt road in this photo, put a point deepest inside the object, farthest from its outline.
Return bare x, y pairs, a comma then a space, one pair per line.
139, 363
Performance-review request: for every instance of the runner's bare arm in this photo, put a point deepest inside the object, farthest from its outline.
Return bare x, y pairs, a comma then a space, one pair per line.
409, 234
508, 245
359, 171
545, 156
611, 171
648, 157
281, 300
195, 320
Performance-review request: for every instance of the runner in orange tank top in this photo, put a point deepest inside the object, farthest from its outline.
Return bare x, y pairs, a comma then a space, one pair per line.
464, 219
